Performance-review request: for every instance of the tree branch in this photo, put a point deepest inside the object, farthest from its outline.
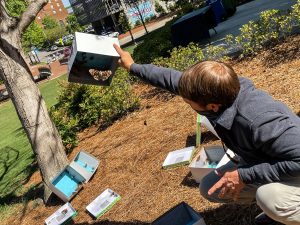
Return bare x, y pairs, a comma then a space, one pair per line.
31, 12
5, 20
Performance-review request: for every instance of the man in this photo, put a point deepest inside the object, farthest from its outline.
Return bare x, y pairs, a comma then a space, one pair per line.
263, 132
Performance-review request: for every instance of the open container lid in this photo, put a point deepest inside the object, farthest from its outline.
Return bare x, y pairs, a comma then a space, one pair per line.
85, 164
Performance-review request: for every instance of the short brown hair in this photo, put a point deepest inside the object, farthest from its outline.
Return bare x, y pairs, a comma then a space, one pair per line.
210, 82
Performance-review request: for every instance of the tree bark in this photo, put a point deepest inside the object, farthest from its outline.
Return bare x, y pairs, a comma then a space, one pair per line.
31, 109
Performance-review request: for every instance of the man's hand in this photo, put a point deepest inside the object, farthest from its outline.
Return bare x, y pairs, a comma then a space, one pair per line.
230, 185
126, 60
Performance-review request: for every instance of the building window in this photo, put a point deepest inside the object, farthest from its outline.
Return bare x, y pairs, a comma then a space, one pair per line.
60, 9
54, 12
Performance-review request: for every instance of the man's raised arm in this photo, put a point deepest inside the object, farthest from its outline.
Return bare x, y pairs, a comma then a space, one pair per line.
157, 76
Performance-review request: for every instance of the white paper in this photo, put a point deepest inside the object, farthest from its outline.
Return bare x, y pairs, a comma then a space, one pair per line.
179, 156
61, 215
102, 202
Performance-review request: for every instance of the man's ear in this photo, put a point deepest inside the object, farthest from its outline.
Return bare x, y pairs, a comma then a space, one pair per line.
214, 107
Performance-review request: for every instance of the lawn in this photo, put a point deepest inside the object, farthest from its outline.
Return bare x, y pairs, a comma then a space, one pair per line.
16, 154
130, 48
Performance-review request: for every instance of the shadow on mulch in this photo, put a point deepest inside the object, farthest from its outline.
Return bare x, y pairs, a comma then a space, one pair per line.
189, 181
108, 222
282, 53
206, 137
231, 214
159, 94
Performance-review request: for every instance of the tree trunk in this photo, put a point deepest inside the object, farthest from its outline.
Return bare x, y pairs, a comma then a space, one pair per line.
31, 109
141, 16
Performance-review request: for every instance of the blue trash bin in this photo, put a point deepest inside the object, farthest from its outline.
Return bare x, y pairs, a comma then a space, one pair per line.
218, 9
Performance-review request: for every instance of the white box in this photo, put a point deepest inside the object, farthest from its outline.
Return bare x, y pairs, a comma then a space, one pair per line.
103, 203
63, 215
85, 164
200, 166
179, 157
95, 52
67, 183
70, 180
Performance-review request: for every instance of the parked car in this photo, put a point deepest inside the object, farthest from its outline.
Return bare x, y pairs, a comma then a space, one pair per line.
3, 95
113, 34
53, 48
67, 52
44, 73
71, 36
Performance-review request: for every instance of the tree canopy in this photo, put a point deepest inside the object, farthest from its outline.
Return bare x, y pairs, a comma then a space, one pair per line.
55, 33
33, 36
72, 24
49, 23
124, 23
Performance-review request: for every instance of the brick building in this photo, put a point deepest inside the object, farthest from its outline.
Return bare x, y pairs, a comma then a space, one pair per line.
55, 9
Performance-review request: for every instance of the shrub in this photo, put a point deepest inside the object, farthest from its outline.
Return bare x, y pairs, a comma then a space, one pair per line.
137, 23
80, 106
295, 14
159, 9
155, 44
147, 19
183, 57
153, 17
272, 26
124, 23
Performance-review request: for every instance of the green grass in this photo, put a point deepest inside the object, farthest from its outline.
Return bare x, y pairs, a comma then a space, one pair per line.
130, 48
16, 154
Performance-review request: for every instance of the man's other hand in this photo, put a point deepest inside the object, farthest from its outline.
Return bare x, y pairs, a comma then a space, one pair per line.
230, 185
126, 60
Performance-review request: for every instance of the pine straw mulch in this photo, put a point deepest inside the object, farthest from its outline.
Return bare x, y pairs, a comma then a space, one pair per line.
132, 150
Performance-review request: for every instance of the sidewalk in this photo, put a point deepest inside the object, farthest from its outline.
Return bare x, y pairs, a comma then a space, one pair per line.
140, 31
